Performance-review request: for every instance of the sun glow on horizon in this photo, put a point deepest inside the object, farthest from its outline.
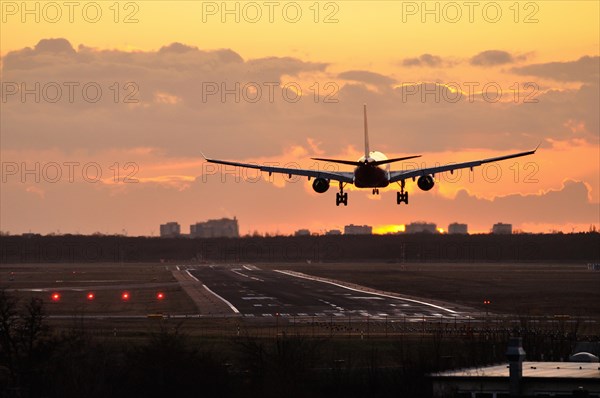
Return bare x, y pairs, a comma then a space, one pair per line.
389, 229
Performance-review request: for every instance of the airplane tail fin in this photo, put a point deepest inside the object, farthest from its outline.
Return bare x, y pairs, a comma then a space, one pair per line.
367, 150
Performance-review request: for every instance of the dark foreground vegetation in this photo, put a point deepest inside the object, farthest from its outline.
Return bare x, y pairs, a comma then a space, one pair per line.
580, 247
38, 361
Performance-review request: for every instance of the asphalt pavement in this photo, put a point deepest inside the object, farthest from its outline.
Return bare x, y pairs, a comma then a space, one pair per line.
254, 292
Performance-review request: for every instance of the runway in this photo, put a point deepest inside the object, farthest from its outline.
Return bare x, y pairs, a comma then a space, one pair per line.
253, 292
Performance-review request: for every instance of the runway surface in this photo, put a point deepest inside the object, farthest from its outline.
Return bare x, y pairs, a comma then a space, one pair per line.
253, 292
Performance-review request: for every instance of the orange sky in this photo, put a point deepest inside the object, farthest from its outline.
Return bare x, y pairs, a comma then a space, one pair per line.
154, 114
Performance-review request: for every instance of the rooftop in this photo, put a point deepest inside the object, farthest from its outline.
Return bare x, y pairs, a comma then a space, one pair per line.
532, 369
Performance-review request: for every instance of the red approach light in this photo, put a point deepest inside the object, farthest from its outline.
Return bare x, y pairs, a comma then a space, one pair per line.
90, 296
55, 296
487, 302
125, 296
160, 295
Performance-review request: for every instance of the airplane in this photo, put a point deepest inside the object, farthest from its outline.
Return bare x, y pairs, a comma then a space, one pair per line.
368, 173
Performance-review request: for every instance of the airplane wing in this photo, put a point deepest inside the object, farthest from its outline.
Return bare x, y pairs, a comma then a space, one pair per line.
341, 176
405, 174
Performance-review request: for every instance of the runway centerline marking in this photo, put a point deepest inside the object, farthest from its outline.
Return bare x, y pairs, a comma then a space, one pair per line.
235, 271
365, 298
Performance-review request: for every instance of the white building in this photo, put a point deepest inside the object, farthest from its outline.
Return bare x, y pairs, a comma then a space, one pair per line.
221, 228
458, 229
170, 230
502, 229
358, 230
421, 227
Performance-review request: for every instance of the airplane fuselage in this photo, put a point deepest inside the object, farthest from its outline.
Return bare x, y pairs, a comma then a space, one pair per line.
370, 176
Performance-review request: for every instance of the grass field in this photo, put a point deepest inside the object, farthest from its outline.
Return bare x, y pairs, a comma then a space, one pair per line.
73, 282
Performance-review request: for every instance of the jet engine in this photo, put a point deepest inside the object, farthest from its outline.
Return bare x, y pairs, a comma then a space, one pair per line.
320, 185
425, 182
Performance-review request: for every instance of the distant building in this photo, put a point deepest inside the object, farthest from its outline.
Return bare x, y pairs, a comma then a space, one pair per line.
333, 232
458, 229
421, 227
358, 230
502, 229
170, 230
222, 228
302, 232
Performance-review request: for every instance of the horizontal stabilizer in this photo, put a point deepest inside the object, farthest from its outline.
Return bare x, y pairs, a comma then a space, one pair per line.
380, 162
348, 162
373, 163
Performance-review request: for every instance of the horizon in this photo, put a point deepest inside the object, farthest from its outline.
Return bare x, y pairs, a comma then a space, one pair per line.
258, 234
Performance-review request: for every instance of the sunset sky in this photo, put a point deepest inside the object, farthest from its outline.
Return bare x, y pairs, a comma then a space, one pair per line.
106, 106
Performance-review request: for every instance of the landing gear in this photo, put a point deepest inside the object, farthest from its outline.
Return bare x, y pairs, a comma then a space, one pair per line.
402, 196
375, 191
341, 197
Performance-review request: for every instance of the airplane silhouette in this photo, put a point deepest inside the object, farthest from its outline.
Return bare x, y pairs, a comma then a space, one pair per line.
368, 172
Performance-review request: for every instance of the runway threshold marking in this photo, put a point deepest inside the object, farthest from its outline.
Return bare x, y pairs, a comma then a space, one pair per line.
298, 275
215, 294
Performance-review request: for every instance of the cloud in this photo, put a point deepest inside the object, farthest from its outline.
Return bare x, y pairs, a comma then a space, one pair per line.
186, 99
423, 60
517, 209
572, 197
585, 69
367, 77
494, 57
177, 48
54, 46
178, 94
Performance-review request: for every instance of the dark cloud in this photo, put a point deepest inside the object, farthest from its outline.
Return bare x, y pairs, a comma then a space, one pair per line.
46, 51
585, 69
174, 113
177, 48
367, 77
538, 208
517, 209
54, 46
175, 74
492, 58
423, 60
